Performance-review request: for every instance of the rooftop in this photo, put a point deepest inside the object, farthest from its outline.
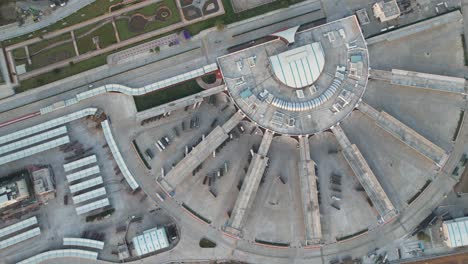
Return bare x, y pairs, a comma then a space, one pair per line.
289, 88
299, 67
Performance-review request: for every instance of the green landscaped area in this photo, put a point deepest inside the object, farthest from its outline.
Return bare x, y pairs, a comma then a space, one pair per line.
20, 56
33, 48
105, 33
53, 55
61, 73
123, 24
95, 9
229, 17
167, 95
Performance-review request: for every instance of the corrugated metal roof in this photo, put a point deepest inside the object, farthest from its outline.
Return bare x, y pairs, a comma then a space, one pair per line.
299, 67
457, 232
151, 240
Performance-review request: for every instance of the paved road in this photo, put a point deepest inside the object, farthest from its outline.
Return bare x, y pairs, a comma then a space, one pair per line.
125, 126
13, 30
213, 43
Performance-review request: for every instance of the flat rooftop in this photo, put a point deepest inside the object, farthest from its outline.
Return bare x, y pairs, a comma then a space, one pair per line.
292, 89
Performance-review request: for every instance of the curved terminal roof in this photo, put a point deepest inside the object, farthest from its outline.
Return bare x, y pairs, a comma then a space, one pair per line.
299, 67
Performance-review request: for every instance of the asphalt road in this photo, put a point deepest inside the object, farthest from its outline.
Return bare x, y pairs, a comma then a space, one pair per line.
124, 127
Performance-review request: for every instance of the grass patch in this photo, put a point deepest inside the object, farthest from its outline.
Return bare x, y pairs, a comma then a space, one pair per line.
20, 56
123, 25
166, 95
206, 243
95, 9
46, 42
56, 54
61, 73
229, 17
19, 53
106, 38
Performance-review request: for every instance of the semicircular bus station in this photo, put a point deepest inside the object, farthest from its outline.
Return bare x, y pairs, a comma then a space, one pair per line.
295, 151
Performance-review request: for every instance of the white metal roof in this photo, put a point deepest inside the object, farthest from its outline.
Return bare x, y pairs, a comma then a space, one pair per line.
299, 67
83, 173
287, 35
20, 237
34, 150
18, 226
86, 184
92, 206
150, 87
61, 253
80, 163
33, 140
151, 240
89, 195
117, 156
456, 232
47, 125
83, 242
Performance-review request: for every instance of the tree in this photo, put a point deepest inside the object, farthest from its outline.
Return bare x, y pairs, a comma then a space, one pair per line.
423, 236
220, 25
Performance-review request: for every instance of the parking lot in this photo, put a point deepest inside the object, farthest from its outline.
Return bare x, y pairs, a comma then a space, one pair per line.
352, 213
426, 52
276, 214
58, 220
401, 171
432, 114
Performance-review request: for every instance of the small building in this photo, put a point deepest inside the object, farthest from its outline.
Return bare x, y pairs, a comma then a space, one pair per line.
44, 185
456, 232
13, 192
386, 10
151, 240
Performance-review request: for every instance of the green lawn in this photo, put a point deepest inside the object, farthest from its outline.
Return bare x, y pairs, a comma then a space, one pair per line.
46, 42
95, 9
56, 54
61, 73
19, 53
229, 17
106, 38
167, 95
123, 25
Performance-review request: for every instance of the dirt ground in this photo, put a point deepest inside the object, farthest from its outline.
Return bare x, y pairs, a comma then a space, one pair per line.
453, 259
